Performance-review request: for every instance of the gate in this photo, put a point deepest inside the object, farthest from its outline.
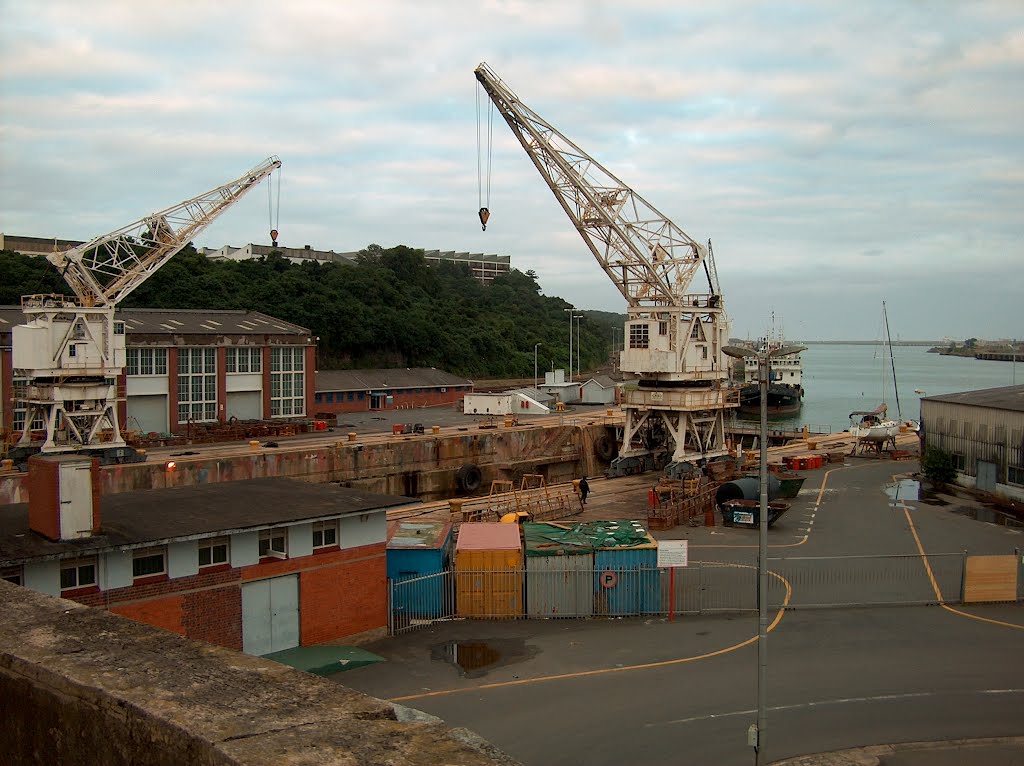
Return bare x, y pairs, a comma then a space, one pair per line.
422, 600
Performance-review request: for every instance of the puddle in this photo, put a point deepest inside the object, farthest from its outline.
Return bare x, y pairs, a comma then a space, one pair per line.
474, 658
904, 489
989, 516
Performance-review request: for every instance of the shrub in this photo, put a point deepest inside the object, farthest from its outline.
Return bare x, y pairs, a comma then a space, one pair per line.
938, 465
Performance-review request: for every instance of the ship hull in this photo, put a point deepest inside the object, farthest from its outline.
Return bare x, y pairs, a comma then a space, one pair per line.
783, 399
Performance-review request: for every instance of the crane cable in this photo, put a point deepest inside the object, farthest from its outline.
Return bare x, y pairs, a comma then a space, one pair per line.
274, 215
483, 181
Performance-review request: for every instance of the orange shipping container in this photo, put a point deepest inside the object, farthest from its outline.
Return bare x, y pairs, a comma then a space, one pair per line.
489, 570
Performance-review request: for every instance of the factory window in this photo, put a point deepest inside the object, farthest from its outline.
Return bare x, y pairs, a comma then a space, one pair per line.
959, 462
330, 397
197, 385
325, 534
940, 424
146, 361
359, 396
287, 381
999, 434
11, 575
317, 398
1015, 475
213, 552
21, 411
639, 336
274, 543
243, 359
662, 328
148, 562
79, 573
350, 397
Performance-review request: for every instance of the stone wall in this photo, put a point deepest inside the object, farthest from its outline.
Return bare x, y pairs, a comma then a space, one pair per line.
82, 686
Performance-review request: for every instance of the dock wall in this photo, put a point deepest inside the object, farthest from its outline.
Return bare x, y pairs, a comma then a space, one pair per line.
424, 467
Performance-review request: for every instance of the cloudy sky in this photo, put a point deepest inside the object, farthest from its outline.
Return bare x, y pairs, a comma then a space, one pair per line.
837, 154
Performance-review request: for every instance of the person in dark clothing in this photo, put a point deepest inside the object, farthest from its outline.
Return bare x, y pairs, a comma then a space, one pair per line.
584, 489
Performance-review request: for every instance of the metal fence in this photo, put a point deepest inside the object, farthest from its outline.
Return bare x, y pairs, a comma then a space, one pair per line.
578, 591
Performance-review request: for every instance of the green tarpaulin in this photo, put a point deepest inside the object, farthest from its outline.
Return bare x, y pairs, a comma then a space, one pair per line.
325, 660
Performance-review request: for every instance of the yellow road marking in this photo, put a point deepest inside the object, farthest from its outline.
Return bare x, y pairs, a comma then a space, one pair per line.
622, 669
938, 591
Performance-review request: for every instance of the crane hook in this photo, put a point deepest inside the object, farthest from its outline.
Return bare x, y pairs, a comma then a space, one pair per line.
273, 237
484, 215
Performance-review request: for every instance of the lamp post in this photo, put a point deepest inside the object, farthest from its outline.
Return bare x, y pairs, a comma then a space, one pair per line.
535, 378
571, 309
763, 358
579, 351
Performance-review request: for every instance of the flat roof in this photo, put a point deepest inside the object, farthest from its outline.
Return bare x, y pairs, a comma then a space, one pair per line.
1003, 398
386, 379
153, 516
488, 536
183, 322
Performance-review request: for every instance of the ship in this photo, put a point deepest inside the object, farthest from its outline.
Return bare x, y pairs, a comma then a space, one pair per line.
785, 384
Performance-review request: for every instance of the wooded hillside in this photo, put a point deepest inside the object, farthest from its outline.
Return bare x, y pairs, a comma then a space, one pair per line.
390, 309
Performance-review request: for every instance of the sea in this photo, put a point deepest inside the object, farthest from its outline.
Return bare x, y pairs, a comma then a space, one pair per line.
842, 378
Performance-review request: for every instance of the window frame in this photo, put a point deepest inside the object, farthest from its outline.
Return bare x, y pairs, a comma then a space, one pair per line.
77, 565
210, 544
322, 527
269, 535
140, 554
13, 574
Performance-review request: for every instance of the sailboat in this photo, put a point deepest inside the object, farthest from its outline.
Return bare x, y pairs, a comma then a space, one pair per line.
875, 430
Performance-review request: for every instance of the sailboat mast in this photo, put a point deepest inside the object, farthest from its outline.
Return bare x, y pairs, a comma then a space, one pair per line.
892, 361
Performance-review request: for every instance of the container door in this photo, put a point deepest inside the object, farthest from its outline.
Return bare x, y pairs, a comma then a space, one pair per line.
270, 615
986, 476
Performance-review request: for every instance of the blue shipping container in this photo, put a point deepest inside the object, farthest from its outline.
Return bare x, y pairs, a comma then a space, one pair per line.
627, 580
419, 551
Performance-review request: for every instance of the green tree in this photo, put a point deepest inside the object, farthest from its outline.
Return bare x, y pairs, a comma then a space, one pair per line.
938, 465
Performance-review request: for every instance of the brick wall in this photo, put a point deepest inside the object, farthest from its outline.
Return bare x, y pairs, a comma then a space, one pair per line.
341, 593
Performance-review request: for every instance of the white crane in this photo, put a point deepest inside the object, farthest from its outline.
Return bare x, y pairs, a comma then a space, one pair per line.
674, 334
71, 351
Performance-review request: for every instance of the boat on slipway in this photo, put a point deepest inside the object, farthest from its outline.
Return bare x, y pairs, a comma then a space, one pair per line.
785, 383
875, 430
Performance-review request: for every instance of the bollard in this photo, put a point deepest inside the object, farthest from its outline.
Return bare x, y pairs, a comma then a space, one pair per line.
351, 436
254, 444
435, 429
6, 465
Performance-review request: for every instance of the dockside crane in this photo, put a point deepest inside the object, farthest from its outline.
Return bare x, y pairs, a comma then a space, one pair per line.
674, 334
70, 353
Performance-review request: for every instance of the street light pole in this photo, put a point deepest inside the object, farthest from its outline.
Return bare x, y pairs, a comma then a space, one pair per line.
763, 376
579, 367
535, 378
570, 310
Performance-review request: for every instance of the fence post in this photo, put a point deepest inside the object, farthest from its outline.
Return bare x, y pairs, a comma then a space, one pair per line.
1016, 555
700, 588
963, 576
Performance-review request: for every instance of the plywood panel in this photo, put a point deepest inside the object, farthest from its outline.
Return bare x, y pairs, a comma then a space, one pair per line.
990, 578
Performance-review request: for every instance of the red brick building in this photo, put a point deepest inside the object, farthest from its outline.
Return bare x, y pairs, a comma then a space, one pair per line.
258, 566
187, 366
339, 391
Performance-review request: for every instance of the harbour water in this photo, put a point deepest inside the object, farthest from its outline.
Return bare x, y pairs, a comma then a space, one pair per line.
839, 379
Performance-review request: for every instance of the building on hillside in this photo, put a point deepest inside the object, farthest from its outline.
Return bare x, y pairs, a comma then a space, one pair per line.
36, 245
186, 366
984, 431
293, 254
339, 391
484, 267
259, 565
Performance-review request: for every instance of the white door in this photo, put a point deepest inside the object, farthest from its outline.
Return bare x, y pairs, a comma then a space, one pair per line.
245, 405
270, 615
147, 413
75, 500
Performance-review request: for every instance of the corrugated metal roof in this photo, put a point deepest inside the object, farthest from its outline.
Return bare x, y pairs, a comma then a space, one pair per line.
488, 536
1003, 398
370, 380
185, 322
418, 534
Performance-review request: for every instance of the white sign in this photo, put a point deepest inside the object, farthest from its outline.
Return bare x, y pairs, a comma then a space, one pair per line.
673, 553
742, 517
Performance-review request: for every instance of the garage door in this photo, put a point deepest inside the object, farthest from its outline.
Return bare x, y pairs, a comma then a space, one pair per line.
147, 413
245, 405
270, 615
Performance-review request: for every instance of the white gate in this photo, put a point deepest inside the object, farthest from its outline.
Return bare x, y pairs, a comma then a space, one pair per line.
270, 615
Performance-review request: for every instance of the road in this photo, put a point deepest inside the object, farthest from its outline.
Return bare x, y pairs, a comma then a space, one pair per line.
609, 692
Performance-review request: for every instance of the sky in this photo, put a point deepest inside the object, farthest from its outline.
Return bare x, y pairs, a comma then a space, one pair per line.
837, 154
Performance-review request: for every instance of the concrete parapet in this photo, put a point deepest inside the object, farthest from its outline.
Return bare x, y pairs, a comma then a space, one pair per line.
82, 686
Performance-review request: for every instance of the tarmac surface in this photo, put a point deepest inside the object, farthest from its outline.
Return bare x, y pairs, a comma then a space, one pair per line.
894, 686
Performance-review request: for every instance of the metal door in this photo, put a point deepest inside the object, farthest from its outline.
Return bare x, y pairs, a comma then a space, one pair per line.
75, 500
270, 615
986, 476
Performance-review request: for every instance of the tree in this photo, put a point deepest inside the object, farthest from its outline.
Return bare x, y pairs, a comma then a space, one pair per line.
939, 466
